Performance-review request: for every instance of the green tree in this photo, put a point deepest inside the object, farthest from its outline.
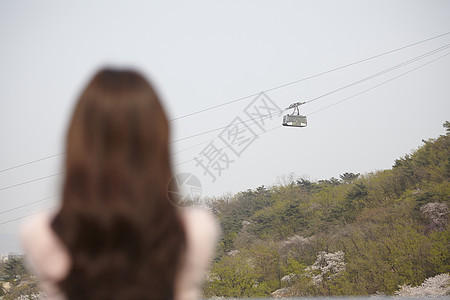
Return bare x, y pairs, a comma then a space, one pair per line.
348, 177
17, 280
234, 276
447, 126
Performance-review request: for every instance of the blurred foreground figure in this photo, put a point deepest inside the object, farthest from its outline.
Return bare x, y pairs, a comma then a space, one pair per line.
116, 234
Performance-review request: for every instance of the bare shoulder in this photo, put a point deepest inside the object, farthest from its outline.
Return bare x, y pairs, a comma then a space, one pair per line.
201, 230
34, 231
200, 224
45, 252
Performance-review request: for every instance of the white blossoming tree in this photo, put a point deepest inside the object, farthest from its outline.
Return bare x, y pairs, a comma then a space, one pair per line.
436, 214
326, 268
436, 286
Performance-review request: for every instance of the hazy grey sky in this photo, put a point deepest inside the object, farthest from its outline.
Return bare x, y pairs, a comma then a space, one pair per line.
201, 54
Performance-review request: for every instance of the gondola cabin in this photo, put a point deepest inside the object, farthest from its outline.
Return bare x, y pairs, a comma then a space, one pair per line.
294, 120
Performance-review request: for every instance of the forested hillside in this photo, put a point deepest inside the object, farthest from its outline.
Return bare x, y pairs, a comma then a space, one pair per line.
356, 235
385, 232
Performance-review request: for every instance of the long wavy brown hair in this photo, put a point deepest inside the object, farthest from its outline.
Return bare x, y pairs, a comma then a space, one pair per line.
124, 236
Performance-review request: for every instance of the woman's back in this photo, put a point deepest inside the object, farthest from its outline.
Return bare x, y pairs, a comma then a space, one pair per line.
50, 261
124, 237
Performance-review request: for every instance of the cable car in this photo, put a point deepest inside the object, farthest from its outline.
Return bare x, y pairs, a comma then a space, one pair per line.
295, 119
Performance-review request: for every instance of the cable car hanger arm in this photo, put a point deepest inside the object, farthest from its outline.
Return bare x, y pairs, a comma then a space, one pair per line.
294, 105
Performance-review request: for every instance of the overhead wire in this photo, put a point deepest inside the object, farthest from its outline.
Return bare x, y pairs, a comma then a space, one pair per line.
309, 101
257, 135
30, 181
25, 216
223, 127
343, 100
31, 162
227, 146
337, 90
265, 91
237, 123
382, 72
309, 77
380, 84
60, 173
27, 204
